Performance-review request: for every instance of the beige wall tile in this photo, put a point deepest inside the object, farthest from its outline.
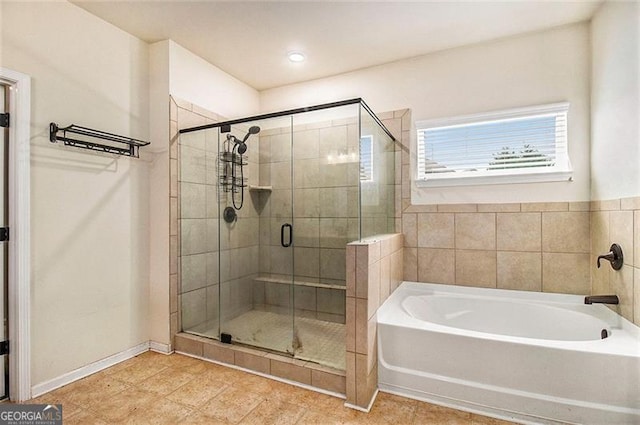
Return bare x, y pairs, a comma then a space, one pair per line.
475, 231
328, 381
519, 231
544, 206
291, 371
565, 273
385, 278
350, 323
251, 361
218, 353
621, 232
397, 270
599, 232
351, 270
636, 238
436, 265
372, 344
306, 261
436, 230
636, 296
520, 270
630, 203
173, 216
600, 283
362, 395
457, 208
421, 209
332, 264
622, 286
476, 268
498, 208
580, 206
565, 232
362, 271
608, 205
189, 344
173, 293
361, 326
374, 288
351, 378
410, 229
410, 265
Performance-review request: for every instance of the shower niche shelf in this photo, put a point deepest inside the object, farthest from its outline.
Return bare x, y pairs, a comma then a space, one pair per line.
267, 279
256, 188
96, 140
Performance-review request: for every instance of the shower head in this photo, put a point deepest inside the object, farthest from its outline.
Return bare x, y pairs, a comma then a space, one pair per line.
252, 130
241, 145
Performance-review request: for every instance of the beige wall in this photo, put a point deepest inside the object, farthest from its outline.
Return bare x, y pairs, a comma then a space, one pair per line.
90, 234
615, 101
533, 69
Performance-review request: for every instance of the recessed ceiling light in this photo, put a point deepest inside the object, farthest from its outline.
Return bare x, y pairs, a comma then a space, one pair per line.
295, 56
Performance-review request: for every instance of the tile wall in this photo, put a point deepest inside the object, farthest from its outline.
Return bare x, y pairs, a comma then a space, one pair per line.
617, 221
374, 271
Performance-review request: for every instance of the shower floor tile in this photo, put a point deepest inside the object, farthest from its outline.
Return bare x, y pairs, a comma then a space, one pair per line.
315, 340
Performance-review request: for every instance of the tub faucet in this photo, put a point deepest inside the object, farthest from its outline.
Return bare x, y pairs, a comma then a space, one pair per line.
601, 299
614, 256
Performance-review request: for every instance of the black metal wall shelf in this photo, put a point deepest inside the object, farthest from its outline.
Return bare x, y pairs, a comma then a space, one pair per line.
130, 149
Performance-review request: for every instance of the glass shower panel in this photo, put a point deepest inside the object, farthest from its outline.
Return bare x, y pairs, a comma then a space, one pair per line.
377, 178
256, 257
198, 227
325, 210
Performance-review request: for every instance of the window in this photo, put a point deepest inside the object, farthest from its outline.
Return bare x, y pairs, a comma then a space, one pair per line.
516, 146
366, 158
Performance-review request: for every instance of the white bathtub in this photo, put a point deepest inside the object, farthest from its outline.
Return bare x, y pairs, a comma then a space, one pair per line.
525, 356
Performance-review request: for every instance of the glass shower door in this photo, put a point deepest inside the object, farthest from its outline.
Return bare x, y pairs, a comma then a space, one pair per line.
256, 231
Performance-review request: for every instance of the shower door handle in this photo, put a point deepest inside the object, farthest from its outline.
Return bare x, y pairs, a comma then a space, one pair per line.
282, 242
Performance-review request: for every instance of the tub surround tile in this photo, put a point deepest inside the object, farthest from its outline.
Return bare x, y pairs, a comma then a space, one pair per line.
544, 206
606, 205
622, 282
476, 268
475, 231
519, 270
565, 232
636, 296
600, 278
580, 206
519, 231
410, 229
630, 203
436, 265
457, 208
410, 264
498, 208
436, 230
599, 232
636, 238
565, 273
621, 232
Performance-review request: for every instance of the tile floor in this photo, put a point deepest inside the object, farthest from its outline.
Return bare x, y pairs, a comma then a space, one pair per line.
157, 389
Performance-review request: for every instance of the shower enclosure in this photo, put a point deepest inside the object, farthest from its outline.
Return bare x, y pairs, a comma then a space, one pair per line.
267, 207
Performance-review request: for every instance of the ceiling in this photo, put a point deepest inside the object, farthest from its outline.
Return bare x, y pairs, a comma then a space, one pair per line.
249, 40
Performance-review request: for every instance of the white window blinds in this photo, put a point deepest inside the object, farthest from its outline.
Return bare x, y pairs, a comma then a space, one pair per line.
526, 141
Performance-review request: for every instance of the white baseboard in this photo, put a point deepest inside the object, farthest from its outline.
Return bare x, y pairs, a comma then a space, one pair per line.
67, 378
159, 347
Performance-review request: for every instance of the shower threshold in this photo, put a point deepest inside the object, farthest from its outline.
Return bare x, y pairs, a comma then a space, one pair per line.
317, 341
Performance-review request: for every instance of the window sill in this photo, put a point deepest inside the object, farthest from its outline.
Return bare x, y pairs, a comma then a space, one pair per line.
555, 176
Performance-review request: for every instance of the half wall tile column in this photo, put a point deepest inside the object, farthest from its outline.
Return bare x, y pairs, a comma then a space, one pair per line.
374, 271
